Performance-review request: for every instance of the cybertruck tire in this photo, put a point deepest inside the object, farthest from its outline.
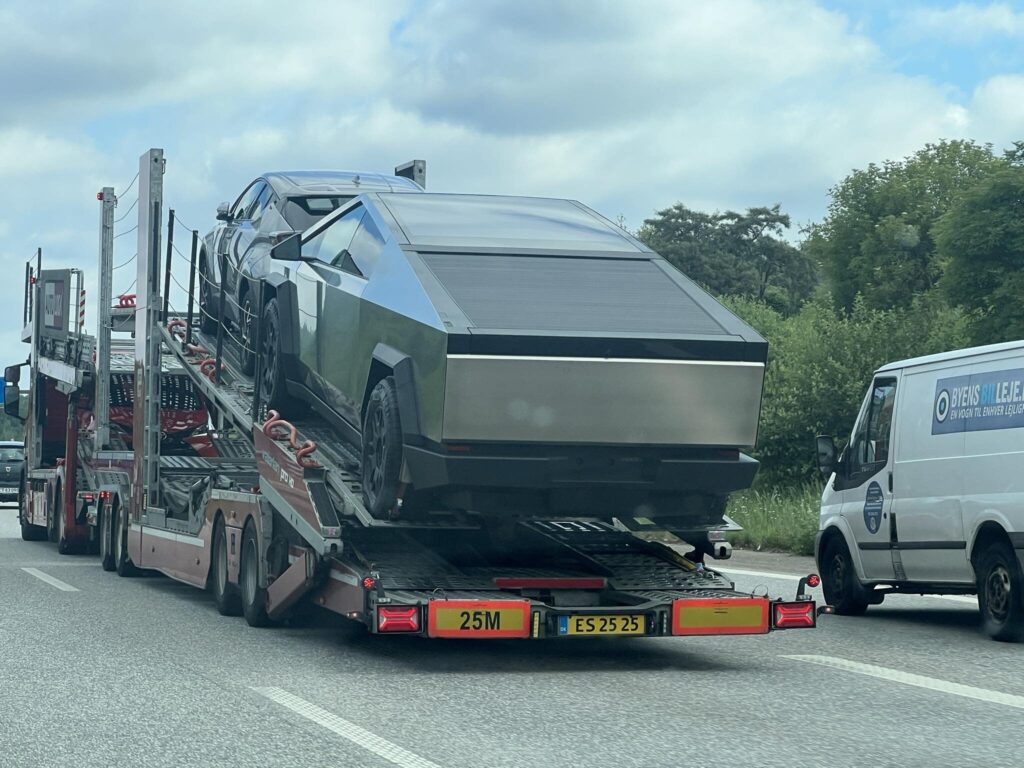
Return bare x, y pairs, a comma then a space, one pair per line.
382, 450
273, 382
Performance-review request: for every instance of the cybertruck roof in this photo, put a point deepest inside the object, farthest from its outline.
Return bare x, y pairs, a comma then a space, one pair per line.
292, 183
551, 267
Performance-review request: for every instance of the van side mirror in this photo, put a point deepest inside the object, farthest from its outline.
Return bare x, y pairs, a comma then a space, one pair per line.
224, 212
289, 249
825, 447
12, 401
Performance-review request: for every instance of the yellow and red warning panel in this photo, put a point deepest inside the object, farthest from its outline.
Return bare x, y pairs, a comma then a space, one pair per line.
478, 618
722, 616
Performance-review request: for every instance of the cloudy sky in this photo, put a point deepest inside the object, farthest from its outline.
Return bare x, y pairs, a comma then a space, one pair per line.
626, 106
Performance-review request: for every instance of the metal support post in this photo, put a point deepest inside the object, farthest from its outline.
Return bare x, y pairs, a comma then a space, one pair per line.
101, 408
221, 308
191, 285
167, 264
257, 343
148, 366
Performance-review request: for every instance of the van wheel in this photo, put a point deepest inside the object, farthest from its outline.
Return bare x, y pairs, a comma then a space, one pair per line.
382, 450
254, 598
1001, 593
839, 580
224, 592
107, 539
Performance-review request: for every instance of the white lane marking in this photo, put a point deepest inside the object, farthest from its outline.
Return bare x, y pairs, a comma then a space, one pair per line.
790, 577
354, 733
906, 678
42, 576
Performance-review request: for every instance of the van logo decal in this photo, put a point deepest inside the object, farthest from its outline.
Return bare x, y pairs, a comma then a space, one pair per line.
979, 401
873, 508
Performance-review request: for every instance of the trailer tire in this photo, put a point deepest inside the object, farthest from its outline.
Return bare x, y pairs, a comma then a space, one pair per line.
31, 532
382, 449
254, 598
273, 382
64, 546
52, 533
107, 538
122, 562
1001, 593
839, 580
225, 594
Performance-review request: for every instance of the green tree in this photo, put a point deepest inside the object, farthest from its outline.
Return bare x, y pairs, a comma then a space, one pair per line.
981, 239
731, 253
877, 239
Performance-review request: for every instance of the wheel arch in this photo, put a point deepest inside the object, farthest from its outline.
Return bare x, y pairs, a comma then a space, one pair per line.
986, 534
388, 361
837, 527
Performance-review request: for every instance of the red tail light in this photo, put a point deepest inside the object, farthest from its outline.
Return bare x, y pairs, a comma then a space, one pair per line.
398, 618
793, 615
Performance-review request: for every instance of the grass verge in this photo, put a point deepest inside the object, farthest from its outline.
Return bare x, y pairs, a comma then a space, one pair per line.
777, 518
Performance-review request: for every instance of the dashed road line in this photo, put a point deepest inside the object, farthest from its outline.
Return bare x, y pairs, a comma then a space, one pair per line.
53, 582
354, 733
920, 681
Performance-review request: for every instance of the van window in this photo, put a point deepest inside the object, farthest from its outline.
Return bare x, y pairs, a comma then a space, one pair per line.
870, 444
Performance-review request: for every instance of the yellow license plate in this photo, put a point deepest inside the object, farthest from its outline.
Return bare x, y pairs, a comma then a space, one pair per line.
708, 616
478, 618
632, 624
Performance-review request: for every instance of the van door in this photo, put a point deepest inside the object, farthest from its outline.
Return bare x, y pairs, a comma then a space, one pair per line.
864, 477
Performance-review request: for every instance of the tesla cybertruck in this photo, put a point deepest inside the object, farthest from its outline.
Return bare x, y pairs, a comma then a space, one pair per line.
514, 356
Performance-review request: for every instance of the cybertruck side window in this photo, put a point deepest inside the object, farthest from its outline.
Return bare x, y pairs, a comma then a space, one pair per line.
330, 245
364, 250
869, 446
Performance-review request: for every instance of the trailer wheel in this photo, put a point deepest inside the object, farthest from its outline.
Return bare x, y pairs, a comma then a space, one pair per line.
1001, 593
224, 592
64, 546
382, 449
254, 598
122, 562
107, 538
52, 532
207, 313
839, 582
31, 532
273, 382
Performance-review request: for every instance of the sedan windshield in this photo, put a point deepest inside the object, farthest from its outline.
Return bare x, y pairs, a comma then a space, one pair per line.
12, 454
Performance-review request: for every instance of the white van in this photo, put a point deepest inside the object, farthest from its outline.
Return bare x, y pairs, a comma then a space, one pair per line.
928, 496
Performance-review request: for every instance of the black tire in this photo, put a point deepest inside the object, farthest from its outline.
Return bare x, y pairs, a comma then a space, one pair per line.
64, 546
52, 529
31, 532
1001, 593
246, 327
273, 381
225, 594
207, 303
839, 580
107, 538
382, 450
122, 562
254, 598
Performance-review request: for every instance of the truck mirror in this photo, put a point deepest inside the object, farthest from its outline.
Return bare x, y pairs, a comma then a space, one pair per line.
826, 449
12, 374
289, 249
12, 401
224, 212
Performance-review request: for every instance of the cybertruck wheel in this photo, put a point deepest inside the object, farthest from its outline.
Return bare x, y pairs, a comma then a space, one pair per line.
1001, 593
273, 382
839, 580
382, 449
207, 306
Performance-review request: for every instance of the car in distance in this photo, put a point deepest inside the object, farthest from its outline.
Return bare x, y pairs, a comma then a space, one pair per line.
12, 462
511, 355
236, 250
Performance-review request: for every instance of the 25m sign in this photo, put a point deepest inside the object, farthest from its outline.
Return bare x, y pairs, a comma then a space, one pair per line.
478, 618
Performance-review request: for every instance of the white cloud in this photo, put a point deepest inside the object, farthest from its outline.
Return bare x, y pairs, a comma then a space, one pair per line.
965, 22
997, 109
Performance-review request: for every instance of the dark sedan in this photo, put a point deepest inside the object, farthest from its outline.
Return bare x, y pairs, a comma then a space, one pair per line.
235, 252
12, 461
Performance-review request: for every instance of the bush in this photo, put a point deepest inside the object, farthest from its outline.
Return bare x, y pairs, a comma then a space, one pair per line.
785, 519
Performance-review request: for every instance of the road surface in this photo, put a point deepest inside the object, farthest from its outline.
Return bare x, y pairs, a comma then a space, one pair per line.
96, 670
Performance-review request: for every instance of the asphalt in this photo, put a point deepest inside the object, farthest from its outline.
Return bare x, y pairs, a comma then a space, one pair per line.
143, 671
